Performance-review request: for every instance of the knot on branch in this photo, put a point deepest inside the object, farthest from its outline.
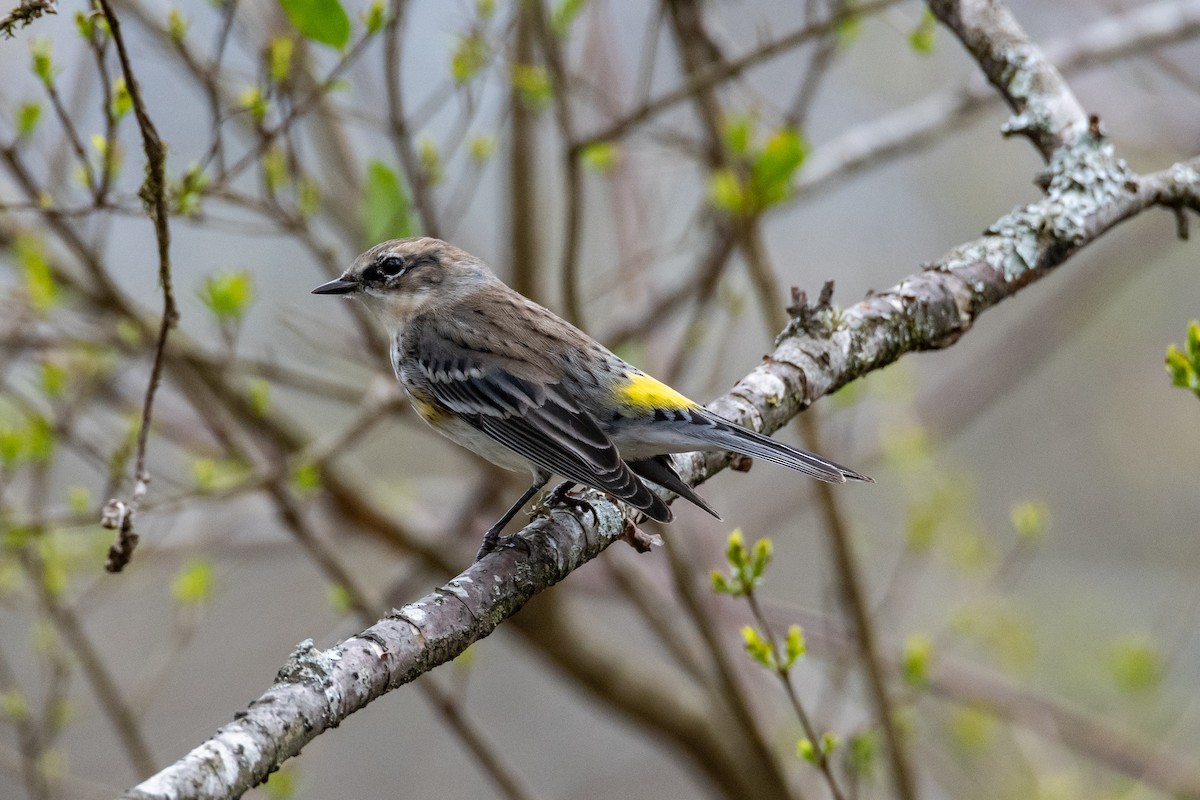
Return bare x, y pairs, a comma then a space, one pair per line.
117, 515
818, 320
306, 665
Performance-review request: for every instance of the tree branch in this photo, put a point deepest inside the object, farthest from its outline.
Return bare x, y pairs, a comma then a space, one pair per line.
118, 515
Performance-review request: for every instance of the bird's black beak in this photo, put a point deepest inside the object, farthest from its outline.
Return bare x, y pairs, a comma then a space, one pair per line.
337, 286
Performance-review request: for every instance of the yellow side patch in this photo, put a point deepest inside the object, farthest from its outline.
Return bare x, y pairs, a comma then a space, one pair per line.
430, 412
644, 393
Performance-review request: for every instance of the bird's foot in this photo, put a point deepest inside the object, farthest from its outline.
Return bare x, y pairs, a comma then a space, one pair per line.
561, 496
490, 540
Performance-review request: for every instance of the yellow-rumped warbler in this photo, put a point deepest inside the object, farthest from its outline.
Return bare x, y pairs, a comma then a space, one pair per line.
510, 380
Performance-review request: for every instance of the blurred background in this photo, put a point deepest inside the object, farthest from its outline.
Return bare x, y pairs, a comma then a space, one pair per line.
662, 174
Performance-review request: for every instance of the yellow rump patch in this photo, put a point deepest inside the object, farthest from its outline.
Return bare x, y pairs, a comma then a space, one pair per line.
644, 393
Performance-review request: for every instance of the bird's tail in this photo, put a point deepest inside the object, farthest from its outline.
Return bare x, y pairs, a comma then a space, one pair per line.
732, 436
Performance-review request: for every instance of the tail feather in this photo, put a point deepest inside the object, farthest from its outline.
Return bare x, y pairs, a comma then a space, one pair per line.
751, 443
644, 499
660, 471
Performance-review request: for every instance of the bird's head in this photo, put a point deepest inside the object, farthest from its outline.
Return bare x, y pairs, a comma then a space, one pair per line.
400, 278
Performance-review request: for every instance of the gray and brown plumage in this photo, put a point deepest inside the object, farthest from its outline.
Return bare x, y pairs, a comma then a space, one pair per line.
525, 389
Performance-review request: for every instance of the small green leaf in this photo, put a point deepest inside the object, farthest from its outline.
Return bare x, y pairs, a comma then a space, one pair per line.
738, 132
211, 475
128, 332
719, 583
918, 653
726, 193
1135, 663
228, 294
564, 14
39, 439
1178, 366
532, 84
385, 205
195, 583
40, 285
1184, 365
760, 557
279, 58
204, 474
122, 101
1030, 518
53, 378
848, 30
306, 478
774, 167
862, 751
339, 599
189, 191
465, 660
274, 167
323, 21
806, 750
28, 116
735, 549
14, 706
971, 729
79, 499
177, 25
481, 148
470, 55
84, 25
12, 445
43, 60
795, 647
375, 17
599, 156
282, 785
259, 394
254, 101
922, 36
757, 647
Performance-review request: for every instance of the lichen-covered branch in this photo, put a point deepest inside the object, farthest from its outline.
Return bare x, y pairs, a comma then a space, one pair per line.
1046, 109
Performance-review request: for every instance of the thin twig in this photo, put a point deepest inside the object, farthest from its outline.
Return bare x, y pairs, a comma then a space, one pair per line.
119, 514
401, 136
783, 673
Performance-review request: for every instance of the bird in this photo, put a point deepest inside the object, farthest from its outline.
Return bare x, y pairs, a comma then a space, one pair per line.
520, 386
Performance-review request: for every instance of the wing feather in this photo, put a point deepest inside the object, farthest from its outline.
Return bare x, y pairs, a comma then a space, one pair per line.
530, 414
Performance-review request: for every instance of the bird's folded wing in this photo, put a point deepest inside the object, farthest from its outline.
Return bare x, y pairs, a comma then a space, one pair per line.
530, 415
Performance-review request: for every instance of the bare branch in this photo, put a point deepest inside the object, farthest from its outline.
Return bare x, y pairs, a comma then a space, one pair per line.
119, 514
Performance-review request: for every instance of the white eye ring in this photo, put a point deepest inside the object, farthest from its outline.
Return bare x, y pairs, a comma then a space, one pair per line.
392, 267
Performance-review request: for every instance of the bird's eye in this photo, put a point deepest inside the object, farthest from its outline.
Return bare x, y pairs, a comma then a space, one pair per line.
391, 266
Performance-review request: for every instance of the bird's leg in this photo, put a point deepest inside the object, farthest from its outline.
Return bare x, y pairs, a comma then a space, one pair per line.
492, 536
